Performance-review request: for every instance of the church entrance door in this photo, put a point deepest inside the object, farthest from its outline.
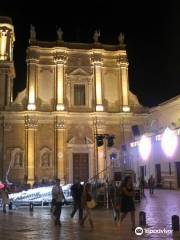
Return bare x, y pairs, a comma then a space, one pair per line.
80, 166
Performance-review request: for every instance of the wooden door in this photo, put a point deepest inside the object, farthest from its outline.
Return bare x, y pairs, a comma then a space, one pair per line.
80, 166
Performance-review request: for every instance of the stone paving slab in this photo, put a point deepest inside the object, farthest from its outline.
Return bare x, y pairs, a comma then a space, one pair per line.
20, 224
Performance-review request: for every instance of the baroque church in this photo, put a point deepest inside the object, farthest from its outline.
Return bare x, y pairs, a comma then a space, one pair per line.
74, 93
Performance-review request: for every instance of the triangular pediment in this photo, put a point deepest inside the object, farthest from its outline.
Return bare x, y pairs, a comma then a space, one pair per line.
76, 140
79, 72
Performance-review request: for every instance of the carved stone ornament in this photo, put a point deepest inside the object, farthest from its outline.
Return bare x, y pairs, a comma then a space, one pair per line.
7, 127
60, 58
31, 123
99, 124
96, 59
122, 60
60, 124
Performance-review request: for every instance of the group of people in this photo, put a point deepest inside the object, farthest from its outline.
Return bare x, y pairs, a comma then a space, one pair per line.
82, 195
151, 185
123, 202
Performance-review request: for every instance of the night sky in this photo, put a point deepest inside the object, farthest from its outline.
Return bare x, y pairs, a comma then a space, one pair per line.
152, 33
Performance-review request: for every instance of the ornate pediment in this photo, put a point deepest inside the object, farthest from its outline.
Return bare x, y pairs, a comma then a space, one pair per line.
79, 72
77, 140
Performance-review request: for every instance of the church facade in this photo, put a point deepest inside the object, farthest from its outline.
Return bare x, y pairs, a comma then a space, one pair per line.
74, 92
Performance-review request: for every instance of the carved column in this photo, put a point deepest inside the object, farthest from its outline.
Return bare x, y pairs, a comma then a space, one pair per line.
101, 151
31, 127
123, 76
32, 62
97, 62
60, 60
60, 148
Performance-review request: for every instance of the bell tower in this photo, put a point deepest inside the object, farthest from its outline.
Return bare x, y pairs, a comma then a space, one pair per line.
7, 70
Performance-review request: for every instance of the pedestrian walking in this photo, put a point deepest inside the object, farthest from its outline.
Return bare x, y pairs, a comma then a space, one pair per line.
127, 201
57, 199
76, 192
5, 197
151, 183
88, 203
141, 186
117, 201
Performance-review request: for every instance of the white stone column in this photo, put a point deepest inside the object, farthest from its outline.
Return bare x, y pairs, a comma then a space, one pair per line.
101, 151
123, 76
30, 126
97, 62
60, 148
60, 61
32, 75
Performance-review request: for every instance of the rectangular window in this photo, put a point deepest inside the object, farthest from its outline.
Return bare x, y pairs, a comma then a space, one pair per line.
79, 94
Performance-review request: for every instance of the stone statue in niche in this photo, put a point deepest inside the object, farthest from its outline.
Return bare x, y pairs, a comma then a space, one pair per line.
32, 32
60, 34
96, 36
18, 159
45, 159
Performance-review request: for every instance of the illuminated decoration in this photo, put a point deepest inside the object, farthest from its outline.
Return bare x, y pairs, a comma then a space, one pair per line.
126, 109
31, 107
41, 194
3, 55
123, 72
6, 40
145, 147
60, 107
169, 142
98, 80
59, 82
99, 108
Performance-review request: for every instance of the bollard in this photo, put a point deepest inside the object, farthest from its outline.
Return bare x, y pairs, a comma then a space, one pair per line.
31, 207
175, 223
10, 206
142, 218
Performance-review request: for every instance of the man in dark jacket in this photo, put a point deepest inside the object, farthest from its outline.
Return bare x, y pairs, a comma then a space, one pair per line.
76, 191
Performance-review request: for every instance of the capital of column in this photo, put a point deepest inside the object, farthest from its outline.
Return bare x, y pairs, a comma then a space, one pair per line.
60, 124
60, 107
96, 59
99, 108
126, 109
99, 125
31, 106
60, 58
122, 61
31, 123
32, 57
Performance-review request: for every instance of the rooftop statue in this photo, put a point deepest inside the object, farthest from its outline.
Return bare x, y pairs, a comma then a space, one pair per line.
121, 38
60, 34
32, 32
96, 36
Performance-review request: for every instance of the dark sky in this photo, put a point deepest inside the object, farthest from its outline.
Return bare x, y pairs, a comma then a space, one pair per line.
152, 32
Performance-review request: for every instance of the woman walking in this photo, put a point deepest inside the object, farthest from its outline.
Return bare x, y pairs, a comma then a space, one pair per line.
127, 201
86, 199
